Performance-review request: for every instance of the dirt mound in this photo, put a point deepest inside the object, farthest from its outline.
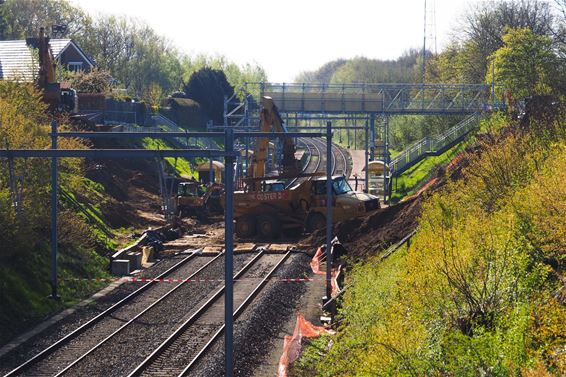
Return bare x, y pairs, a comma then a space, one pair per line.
366, 236
371, 235
132, 186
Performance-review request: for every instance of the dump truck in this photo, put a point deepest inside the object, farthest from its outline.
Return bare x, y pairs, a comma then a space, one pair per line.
303, 207
267, 207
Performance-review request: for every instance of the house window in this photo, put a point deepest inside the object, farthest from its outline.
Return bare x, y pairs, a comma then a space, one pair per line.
75, 66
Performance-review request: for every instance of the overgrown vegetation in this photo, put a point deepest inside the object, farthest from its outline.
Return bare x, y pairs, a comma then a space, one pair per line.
177, 166
480, 290
25, 216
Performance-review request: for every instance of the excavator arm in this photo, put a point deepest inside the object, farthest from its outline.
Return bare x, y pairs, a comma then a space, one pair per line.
271, 121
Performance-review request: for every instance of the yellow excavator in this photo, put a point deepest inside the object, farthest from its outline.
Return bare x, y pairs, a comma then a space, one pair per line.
271, 122
198, 199
266, 208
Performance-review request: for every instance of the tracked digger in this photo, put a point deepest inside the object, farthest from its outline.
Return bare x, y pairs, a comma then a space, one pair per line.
266, 208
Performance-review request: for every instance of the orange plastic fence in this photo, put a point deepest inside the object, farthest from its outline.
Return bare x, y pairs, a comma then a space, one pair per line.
315, 266
292, 344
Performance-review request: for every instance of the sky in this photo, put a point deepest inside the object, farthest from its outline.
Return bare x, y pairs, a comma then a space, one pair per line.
290, 36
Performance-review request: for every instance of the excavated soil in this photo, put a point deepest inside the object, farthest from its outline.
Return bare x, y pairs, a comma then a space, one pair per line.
132, 186
368, 236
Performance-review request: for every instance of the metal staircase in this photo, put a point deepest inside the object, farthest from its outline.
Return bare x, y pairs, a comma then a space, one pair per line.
167, 124
432, 146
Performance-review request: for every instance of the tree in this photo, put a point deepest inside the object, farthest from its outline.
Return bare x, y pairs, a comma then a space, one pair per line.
526, 64
361, 69
95, 81
485, 26
561, 27
323, 75
26, 17
4, 30
209, 87
133, 52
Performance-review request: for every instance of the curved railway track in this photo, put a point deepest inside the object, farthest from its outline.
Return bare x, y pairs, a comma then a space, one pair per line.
313, 162
316, 163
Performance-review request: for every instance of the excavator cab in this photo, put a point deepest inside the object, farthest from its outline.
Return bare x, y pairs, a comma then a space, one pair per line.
271, 186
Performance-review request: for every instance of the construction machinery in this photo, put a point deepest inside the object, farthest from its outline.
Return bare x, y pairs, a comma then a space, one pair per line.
267, 214
58, 98
195, 198
266, 208
271, 122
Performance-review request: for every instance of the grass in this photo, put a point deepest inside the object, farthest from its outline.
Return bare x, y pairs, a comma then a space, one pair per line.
374, 287
412, 179
181, 166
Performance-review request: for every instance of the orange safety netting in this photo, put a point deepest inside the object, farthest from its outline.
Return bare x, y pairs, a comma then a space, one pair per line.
292, 344
315, 266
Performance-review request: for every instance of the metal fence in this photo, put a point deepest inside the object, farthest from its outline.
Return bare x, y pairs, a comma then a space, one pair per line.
432, 145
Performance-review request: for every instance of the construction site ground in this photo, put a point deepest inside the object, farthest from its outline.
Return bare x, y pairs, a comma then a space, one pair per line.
134, 201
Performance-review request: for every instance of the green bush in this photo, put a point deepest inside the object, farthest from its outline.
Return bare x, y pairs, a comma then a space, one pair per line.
479, 291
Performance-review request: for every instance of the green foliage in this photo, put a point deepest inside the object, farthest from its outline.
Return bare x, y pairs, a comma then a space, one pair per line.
478, 292
143, 62
405, 130
25, 17
526, 64
178, 166
209, 87
24, 235
361, 69
95, 81
236, 75
376, 71
323, 75
4, 29
414, 178
486, 24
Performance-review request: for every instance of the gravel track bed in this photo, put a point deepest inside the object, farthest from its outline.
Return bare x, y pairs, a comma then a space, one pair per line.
129, 348
260, 323
82, 315
186, 347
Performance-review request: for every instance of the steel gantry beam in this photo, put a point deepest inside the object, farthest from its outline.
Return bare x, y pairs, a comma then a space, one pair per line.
229, 155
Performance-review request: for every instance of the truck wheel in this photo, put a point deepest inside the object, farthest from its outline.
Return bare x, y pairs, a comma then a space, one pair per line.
245, 227
316, 221
268, 226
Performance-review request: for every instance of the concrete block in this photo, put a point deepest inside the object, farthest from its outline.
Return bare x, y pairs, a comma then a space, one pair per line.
120, 267
148, 254
135, 259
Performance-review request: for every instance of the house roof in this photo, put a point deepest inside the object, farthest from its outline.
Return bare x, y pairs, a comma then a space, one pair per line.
17, 63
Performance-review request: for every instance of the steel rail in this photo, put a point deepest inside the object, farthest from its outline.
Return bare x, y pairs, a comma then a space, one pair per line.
163, 346
307, 164
332, 159
67, 338
98, 345
237, 313
343, 156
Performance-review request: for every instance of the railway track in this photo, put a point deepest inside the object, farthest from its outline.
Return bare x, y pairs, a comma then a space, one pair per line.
117, 330
317, 160
106, 321
339, 159
181, 351
313, 162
